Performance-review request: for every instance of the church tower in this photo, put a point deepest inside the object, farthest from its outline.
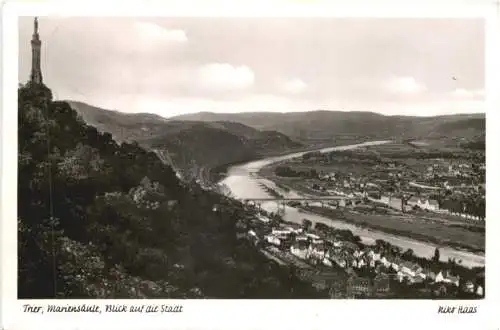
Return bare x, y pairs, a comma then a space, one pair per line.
36, 71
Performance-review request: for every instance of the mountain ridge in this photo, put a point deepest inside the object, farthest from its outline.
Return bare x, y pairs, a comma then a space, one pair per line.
194, 147
331, 125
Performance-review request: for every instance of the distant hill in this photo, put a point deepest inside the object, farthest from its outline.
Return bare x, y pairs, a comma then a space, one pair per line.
332, 125
192, 146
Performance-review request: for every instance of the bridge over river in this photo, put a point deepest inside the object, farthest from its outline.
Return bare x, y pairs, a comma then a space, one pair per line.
282, 201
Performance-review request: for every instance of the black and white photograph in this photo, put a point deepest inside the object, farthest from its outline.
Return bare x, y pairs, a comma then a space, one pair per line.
251, 158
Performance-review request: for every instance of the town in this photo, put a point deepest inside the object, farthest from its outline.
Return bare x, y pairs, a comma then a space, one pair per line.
337, 263
402, 177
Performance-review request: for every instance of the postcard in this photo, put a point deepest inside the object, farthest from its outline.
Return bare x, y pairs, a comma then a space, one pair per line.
189, 169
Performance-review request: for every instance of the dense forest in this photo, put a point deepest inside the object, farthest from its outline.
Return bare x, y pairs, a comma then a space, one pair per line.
100, 219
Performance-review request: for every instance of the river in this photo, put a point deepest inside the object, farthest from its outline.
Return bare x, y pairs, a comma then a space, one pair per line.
243, 182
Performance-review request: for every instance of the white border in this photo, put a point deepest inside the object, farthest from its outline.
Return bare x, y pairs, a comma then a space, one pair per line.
247, 314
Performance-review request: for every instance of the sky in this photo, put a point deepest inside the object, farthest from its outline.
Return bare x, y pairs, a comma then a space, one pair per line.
172, 66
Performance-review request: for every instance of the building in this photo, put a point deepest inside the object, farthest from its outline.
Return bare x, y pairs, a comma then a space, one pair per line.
338, 289
36, 45
425, 204
447, 278
469, 287
395, 262
439, 277
410, 269
393, 202
316, 251
381, 284
480, 291
430, 204
358, 286
300, 249
272, 239
324, 280
413, 201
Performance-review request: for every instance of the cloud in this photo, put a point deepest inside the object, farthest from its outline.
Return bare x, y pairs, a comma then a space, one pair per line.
156, 33
404, 85
461, 93
223, 76
294, 86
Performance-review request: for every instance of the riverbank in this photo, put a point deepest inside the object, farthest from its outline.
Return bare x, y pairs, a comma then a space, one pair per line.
244, 183
351, 218
440, 233
219, 172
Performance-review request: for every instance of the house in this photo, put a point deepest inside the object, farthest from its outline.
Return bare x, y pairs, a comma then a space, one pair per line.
480, 291
400, 276
385, 199
313, 236
263, 218
385, 262
338, 289
416, 279
439, 277
324, 280
410, 269
327, 262
381, 283
317, 250
342, 262
430, 204
279, 232
294, 229
447, 278
469, 287
358, 286
376, 256
299, 249
395, 262
422, 275
455, 280
272, 239
413, 201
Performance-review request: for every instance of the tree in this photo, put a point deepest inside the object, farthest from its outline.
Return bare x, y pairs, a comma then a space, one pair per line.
306, 224
104, 232
408, 254
436, 257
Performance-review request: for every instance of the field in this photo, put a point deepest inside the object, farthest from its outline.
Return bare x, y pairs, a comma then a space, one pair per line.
414, 227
